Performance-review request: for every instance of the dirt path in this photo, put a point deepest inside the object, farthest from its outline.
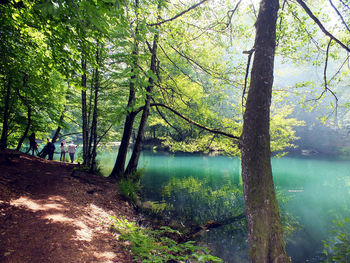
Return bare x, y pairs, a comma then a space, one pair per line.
50, 214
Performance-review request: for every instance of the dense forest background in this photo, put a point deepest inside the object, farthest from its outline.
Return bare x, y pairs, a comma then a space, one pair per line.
68, 67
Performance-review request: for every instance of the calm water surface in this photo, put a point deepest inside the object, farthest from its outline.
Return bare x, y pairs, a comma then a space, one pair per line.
199, 188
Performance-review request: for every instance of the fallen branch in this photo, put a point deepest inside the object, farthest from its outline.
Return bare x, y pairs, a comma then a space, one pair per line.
213, 224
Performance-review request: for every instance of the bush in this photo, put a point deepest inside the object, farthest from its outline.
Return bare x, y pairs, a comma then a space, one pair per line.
130, 187
152, 246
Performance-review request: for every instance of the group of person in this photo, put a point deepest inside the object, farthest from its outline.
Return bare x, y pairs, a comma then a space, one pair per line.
71, 151
49, 149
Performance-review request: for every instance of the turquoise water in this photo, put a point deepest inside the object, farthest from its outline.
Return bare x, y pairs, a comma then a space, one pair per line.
311, 193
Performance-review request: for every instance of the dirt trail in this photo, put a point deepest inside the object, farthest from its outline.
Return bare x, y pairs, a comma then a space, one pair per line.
48, 213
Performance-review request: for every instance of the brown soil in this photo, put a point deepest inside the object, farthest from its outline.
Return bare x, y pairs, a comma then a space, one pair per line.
50, 213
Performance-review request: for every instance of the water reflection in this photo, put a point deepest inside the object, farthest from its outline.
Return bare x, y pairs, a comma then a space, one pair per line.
198, 188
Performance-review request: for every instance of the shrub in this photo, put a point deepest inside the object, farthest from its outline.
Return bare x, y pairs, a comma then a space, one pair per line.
152, 246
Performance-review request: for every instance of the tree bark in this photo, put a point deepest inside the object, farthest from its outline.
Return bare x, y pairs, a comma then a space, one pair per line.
133, 162
119, 166
89, 114
25, 134
5, 125
262, 212
94, 118
84, 112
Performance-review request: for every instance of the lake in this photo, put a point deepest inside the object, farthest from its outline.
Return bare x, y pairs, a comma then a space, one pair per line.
197, 188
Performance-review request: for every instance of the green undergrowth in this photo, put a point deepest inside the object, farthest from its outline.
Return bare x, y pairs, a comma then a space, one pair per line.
130, 187
337, 246
154, 245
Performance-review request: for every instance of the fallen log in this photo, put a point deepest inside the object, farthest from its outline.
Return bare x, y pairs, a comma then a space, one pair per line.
212, 224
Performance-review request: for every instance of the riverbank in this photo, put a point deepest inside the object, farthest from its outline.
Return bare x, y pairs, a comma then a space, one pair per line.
52, 212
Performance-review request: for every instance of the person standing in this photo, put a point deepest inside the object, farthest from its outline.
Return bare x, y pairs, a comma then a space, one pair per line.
63, 151
71, 151
32, 143
51, 149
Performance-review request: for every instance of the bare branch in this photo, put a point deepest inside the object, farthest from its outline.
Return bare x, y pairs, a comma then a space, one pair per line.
253, 7
192, 61
178, 67
230, 13
209, 71
309, 34
341, 66
163, 117
326, 88
215, 131
280, 23
324, 30
250, 53
178, 15
340, 15
344, 4
104, 134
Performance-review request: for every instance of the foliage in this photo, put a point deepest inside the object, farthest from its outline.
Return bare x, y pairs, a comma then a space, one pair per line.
337, 246
130, 187
153, 246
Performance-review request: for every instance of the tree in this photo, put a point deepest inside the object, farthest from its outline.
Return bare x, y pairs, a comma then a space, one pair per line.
262, 212
119, 166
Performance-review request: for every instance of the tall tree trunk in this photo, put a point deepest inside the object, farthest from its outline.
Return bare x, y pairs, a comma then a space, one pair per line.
118, 169
119, 166
5, 125
29, 111
94, 118
84, 112
262, 212
89, 110
91, 134
133, 162
25, 134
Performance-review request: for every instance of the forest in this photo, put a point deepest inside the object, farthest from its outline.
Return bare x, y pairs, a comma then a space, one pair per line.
251, 79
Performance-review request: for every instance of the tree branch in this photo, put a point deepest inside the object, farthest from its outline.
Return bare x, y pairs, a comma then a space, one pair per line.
326, 88
250, 53
214, 224
340, 15
192, 61
178, 15
344, 4
339, 69
253, 7
163, 117
230, 13
183, 72
324, 30
312, 39
104, 134
189, 120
